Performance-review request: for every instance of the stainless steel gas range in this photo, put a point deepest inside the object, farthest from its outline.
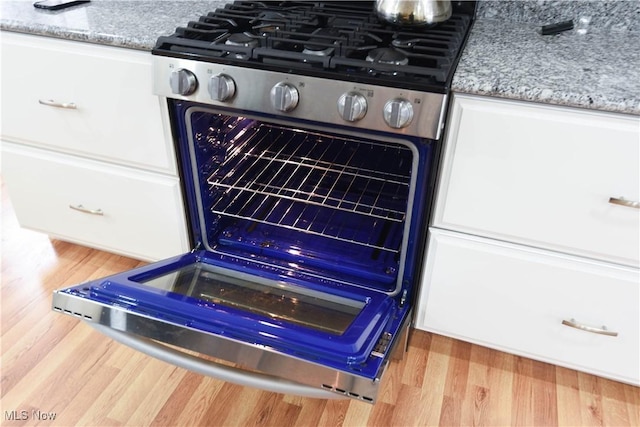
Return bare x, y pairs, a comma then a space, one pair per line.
307, 136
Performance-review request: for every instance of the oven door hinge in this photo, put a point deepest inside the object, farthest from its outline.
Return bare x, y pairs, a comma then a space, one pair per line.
197, 248
403, 298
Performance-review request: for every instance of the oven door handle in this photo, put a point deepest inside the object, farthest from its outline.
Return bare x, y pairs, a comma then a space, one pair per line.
211, 369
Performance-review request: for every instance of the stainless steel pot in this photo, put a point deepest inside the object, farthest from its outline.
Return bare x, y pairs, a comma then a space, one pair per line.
413, 12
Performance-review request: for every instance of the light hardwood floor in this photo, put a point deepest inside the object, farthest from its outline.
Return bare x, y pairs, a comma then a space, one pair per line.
59, 366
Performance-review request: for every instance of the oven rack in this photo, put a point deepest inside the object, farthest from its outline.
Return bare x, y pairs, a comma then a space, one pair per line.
318, 169
347, 189
373, 233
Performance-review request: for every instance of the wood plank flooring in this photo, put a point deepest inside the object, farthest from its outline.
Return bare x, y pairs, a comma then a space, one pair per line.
57, 371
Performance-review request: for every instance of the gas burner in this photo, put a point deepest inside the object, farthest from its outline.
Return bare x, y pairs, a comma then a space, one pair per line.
266, 28
241, 44
317, 50
241, 39
405, 43
270, 15
268, 22
388, 56
318, 45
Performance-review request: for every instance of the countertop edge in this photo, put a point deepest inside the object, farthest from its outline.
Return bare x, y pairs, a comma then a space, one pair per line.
629, 107
79, 36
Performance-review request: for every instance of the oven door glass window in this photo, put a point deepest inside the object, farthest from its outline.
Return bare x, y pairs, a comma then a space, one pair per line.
276, 301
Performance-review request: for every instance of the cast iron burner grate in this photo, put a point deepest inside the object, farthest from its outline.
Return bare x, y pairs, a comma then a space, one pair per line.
324, 39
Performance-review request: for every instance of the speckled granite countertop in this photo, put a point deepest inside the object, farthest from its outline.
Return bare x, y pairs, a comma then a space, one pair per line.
110, 22
505, 56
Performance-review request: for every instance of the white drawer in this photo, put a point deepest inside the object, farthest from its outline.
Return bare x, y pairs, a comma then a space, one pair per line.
515, 299
142, 212
543, 176
117, 118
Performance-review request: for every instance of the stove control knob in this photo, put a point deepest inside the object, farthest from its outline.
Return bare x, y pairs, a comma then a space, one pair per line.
398, 113
352, 106
183, 82
221, 87
284, 97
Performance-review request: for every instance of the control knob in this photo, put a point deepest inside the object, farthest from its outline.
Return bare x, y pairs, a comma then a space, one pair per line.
183, 82
398, 113
221, 87
284, 97
352, 106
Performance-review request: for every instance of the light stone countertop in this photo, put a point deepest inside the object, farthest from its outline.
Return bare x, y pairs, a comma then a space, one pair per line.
131, 24
505, 55
597, 70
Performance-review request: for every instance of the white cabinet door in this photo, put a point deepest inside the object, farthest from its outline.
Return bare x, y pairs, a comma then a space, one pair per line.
114, 117
123, 210
515, 299
543, 176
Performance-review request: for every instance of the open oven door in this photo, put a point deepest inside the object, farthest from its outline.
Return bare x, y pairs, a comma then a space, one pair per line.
281, 335
308, 244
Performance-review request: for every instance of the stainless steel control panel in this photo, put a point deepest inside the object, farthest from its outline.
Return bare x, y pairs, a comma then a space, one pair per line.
316, 99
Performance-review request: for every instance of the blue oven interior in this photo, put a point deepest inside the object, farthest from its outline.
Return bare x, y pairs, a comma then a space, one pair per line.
307, 240
331, 206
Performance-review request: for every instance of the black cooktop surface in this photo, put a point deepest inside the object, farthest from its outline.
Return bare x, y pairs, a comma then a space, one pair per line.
338, 40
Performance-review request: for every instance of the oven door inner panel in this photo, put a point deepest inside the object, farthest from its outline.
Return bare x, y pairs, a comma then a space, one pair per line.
340, 327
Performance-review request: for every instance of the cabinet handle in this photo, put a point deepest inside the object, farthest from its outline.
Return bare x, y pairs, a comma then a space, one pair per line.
81, 208
52, 103
624, 202
602, 331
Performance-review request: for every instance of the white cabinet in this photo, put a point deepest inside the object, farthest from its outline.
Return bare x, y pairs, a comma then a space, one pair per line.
115, 208
536, 223
515, 299
543, 176
111, 112
87, 156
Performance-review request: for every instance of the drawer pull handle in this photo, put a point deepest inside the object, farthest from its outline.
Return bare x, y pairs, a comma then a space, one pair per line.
81, 208
602, 331
624, 202
52, 103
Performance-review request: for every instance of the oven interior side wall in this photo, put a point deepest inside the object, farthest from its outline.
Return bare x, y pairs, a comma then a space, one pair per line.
328, 205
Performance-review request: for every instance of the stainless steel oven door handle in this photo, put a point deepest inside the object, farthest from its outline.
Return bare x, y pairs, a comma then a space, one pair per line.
211, 369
